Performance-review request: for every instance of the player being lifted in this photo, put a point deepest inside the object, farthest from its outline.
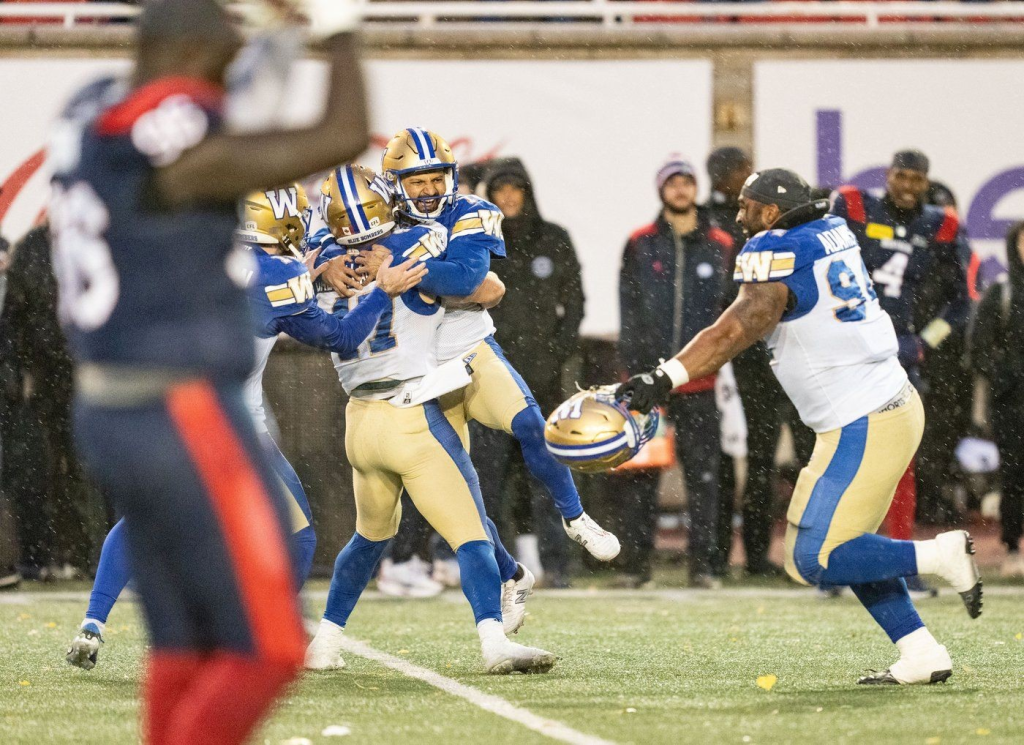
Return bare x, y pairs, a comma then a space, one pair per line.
273, 228
397, 436
804, 286
146, 180
421, 169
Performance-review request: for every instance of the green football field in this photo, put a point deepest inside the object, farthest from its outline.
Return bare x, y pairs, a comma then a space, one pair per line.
740, 665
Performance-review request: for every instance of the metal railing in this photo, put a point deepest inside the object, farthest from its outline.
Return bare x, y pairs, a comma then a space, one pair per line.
609, 13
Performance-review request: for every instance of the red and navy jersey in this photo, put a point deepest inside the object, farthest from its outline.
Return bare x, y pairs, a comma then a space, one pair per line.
143, 285
917, 261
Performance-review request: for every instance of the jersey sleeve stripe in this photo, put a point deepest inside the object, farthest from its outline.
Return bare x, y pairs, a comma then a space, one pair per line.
949, 228
854, 203
119, 119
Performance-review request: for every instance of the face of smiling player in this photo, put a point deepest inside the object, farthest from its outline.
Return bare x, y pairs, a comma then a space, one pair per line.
755, 217
423, 185
906, 187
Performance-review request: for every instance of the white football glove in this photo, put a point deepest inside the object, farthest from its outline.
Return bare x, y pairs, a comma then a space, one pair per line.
328, 18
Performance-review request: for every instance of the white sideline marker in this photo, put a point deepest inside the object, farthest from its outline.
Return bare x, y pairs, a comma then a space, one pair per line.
486, 701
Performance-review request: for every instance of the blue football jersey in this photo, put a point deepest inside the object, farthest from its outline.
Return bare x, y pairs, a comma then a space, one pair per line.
142, 285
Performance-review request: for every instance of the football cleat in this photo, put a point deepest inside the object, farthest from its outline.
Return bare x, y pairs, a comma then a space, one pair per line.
408, 579
324, 652
958, 567
592, 432
601, 544
513, 601
276, 217
85, 648
502, 657
935, 667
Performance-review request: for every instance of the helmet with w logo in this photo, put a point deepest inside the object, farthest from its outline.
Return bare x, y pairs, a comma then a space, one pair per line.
353, 208
593, 432
417, 150
276, 217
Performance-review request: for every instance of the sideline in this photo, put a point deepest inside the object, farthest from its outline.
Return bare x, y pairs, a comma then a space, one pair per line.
486, 701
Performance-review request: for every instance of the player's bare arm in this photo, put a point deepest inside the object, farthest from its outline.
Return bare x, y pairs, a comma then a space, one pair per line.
754, 313
223, 167
486, 296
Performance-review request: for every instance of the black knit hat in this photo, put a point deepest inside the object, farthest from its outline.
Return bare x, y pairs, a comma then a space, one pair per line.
778, 186
911, 160
183, 19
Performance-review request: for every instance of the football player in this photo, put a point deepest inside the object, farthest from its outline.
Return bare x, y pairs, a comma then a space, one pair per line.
397, 437
146, 179
273, 227
421, 169
805, 288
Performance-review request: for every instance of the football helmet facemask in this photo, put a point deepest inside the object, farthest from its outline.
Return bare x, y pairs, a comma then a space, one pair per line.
276, 217
354, 209
417, 150
592, 432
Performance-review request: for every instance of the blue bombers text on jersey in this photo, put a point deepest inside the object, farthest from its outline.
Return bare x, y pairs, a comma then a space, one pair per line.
142, 285
834, 350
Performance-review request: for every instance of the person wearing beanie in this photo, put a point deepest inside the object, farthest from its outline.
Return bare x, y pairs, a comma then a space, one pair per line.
670, 287
806, 289
917, 256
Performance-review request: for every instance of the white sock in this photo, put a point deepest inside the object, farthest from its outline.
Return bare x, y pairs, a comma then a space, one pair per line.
329, 630
99, 624
917, 642
927, 554
490, 629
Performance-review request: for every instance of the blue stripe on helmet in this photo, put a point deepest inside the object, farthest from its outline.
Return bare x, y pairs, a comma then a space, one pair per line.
358, 205
415, 132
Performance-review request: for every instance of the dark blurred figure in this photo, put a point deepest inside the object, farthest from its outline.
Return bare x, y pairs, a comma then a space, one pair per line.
917, 256
762, 397
538, 325
997, 353
52, 502
10, 577
670, 287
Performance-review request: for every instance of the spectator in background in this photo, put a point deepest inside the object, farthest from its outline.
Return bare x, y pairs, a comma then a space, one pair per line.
538, 326
762, 397
996, 351
10, 577
52, 501
670, 288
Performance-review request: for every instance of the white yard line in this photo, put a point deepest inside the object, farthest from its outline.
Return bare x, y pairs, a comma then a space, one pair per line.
486, 701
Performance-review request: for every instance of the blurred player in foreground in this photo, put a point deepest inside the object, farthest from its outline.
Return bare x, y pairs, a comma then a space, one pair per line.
153, 300
281, 294
804, 285
397, 436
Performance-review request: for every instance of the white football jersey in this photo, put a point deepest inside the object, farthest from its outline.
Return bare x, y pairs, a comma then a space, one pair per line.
461, 331
253, 388
834, 351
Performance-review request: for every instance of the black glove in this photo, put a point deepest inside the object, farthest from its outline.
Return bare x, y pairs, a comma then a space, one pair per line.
645, 391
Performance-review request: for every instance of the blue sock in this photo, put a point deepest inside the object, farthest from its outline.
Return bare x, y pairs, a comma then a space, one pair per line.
112, 574
889, 604
303, 547
528, 429
480, 580
507, 565
870, 558
353, 570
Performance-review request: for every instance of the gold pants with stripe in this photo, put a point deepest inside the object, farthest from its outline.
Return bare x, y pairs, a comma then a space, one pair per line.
418, 449
846, 489
493, 398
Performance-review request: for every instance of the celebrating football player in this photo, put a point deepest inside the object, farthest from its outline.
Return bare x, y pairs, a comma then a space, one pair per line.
397, 437
805, 287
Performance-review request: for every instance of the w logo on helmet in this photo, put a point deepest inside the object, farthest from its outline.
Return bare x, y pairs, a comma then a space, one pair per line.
283, 202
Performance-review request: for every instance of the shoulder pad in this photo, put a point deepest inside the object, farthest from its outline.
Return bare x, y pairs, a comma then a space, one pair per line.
421, 241
856, 203
644, 232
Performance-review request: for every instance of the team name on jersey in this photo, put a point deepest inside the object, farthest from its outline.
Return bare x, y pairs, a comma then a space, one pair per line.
295, 291
837, 239
763, 266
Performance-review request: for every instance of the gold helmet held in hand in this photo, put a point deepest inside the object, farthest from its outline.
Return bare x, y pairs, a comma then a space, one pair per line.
276, 217
592, 432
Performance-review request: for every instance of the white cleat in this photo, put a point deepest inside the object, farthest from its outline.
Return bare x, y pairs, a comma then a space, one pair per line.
324, 652
85, 648
409, 579
922, 669
601, 544
956, 565
502, 657
513, 601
